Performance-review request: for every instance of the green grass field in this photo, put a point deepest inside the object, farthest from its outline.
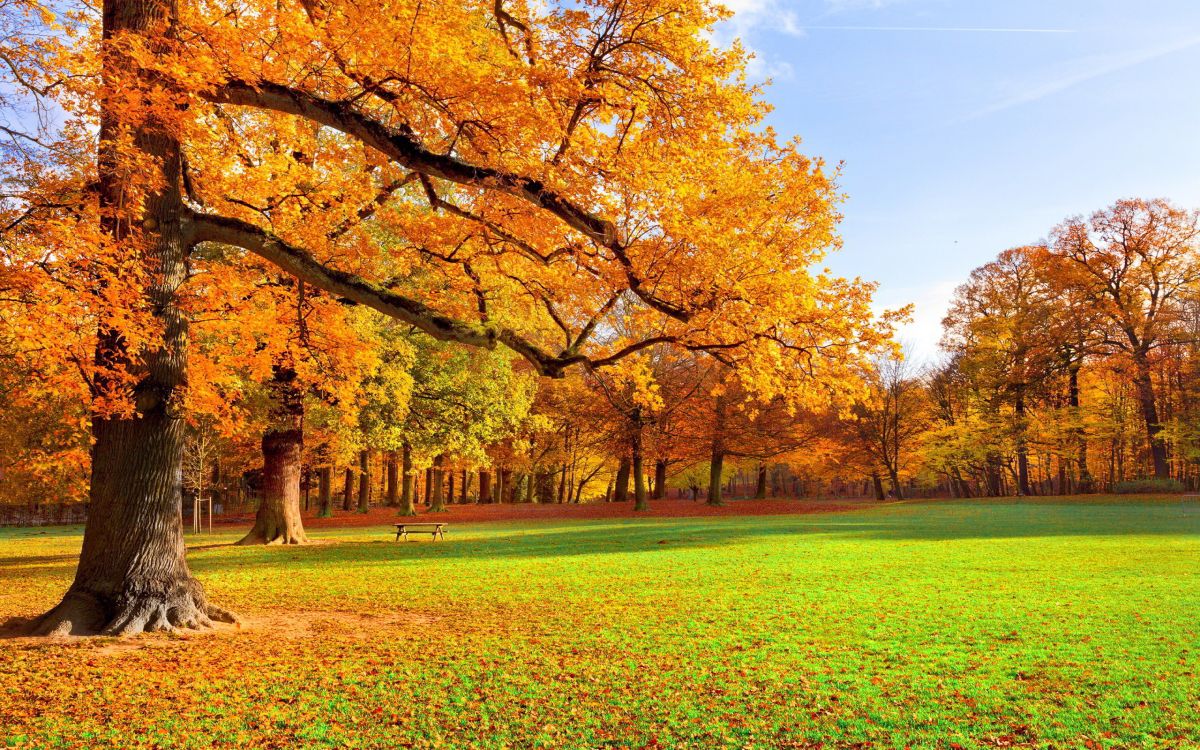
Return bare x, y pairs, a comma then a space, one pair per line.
936, 625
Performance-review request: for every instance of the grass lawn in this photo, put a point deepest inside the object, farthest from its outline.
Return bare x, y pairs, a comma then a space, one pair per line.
925, 625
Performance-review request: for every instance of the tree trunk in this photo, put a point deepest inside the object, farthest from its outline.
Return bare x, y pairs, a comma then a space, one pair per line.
407, 506
1086, 484
132, 575
278, 520
393, 480
622, 490
364, 481
660, 479
1022, 449
485, 487
877, 483
437, 478
1145, 390
324, 492
348, 490
466, 485
894, 479
639, 475
716, 465
760, 484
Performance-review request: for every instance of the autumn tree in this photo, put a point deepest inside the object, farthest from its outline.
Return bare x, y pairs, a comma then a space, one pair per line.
887, 421
580, 157
1134, 262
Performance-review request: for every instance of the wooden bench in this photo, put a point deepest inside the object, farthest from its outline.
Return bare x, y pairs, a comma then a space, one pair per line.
433, 529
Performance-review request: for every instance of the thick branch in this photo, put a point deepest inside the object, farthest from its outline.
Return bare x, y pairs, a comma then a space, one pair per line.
301, 264
403, 148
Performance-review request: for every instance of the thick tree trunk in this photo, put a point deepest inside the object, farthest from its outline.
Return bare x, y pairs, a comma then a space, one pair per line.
639, 474
393, 480
622, 491
132, 575
278, 520
325, 492
877, 483
660, 479
364, 481
1145, 390
485, 487
437, 477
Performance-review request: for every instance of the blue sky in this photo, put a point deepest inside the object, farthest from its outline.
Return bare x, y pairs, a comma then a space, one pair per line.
970, 126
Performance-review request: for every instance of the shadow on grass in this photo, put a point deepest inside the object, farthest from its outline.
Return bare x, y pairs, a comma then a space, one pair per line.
990, 520
657, 536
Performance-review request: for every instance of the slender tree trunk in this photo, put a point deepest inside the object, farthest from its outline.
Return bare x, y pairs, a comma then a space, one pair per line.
278, 520
407, 506
325, 492
716, 461
878, 484
760, 484
466, 485
348, 489
1022, 449
132, 575
364, 481
622, 490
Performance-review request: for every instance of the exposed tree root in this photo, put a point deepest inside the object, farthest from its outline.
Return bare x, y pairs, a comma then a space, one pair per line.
269, 533
181, 608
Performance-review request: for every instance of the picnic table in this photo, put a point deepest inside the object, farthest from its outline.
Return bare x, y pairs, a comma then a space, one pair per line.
434, 529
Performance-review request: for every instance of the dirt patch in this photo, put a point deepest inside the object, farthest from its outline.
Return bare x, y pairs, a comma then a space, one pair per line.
302, 624
382, 516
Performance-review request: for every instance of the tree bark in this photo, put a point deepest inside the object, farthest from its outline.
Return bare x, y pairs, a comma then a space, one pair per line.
437, 477
348, 490
132, 575
622, 491
393, 480
1022, 449
660, 479
364, 481
278, 520
1145, 390
485, 487
760, 483
716, 465
639, 475
877, 483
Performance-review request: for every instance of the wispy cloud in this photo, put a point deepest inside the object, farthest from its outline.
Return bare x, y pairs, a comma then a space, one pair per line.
1083, 70
945, 29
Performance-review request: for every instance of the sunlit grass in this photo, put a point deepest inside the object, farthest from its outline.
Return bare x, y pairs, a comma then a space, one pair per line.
986, 624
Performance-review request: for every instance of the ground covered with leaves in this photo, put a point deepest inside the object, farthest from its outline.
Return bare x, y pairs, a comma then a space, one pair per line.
928, 625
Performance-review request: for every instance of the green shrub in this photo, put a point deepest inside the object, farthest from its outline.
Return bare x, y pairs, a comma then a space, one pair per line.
1147, 487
